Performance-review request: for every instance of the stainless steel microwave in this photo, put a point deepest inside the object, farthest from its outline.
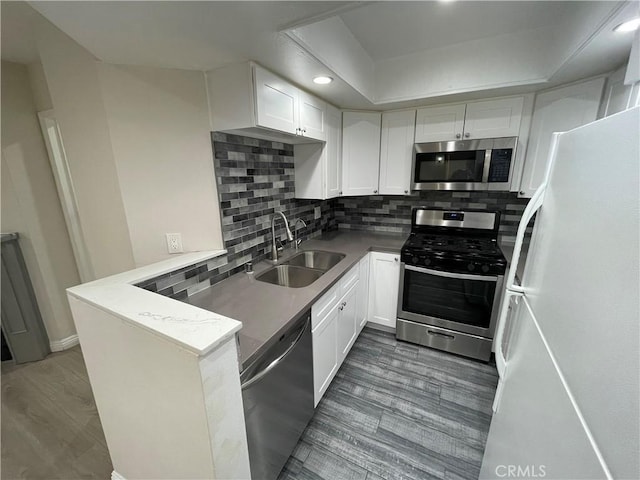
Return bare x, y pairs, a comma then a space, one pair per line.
482, 164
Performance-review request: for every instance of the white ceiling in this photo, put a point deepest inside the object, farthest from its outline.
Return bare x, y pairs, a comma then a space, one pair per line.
393, 29
383, 54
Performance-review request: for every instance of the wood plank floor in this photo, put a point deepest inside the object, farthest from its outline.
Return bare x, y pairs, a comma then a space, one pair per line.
398, 411
50, 425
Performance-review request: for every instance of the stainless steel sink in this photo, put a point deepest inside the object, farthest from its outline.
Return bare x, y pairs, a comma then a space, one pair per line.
316, 259
290, 276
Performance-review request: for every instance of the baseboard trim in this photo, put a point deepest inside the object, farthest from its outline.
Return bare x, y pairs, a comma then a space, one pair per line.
383, 328
64, 344
116, 476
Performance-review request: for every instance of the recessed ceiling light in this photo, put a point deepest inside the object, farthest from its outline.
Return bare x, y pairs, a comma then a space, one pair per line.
629, 26
322, 80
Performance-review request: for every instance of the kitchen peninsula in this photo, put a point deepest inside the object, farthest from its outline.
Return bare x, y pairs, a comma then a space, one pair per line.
165, 373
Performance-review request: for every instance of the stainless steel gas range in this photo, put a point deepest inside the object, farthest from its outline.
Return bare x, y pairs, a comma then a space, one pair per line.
451, 276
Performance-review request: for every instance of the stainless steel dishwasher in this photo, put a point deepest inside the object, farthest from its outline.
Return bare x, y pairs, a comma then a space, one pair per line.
277, 391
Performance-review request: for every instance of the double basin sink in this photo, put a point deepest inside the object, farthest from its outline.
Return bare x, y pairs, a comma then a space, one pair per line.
302, 269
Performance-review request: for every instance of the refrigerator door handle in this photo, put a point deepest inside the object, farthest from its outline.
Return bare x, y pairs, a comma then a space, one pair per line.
512, 288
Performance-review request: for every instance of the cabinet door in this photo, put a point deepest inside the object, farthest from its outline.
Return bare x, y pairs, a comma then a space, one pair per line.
360, 153
333, 151
276, 102
617, 96
396, 150
313, 111
493, 118
347, 323
383, 288
363, 293
325, 353
437, 124
556, 110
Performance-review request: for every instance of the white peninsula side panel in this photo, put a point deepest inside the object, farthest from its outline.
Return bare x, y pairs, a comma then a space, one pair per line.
167, 411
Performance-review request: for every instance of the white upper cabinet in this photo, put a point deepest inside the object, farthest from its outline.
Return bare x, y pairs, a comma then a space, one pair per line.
437, 124
248, 100
318, 166
312, 116
333, 161
281, 106
493, 118
618, 96
360, 153
396, 150
276, 102
486, 119
556, 110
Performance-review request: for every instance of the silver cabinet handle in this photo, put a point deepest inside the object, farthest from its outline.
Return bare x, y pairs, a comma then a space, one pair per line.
278, 360
375, 191
467, 135
395, 259
458, 135
406, 191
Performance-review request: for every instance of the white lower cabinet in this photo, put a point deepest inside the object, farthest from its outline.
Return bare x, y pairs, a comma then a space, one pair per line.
334, 324
347, 327
384, 281
363, 293
325, 353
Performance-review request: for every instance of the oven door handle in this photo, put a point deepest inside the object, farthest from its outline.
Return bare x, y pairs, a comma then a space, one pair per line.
459, 276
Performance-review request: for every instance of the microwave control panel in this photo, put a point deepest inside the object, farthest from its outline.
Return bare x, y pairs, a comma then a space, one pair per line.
500, 165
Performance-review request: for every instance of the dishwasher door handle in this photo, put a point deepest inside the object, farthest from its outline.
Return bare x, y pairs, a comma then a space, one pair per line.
258, 376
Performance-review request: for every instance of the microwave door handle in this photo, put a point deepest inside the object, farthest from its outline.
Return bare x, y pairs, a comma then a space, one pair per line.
487, 166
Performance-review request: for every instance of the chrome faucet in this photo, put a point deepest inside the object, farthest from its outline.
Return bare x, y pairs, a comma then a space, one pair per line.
274, 248
297, 242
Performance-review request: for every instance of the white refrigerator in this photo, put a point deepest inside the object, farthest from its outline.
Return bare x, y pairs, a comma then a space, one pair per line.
567, 402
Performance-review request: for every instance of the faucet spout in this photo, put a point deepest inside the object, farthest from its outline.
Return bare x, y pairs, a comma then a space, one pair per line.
297, 242
274, 248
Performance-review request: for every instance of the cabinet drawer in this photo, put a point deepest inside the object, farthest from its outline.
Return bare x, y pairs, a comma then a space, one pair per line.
321, 308
348, 280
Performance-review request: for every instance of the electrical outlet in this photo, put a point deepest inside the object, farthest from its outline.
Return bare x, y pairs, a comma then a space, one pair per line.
174, 242
317, 213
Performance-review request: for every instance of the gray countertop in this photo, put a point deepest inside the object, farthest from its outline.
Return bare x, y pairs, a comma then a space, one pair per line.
266, 310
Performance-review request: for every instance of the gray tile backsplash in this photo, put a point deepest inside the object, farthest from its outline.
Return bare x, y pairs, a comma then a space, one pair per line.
255, 178
393, 213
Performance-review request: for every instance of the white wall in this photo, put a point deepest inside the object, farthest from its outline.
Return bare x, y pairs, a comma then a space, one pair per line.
159, 128
72, 79
30, 204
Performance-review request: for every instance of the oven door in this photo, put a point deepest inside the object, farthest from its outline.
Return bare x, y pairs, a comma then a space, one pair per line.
456, 301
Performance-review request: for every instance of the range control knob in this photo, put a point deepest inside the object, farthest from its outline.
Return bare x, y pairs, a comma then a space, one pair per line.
427, 261
415, 260
485, 268
471, 267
